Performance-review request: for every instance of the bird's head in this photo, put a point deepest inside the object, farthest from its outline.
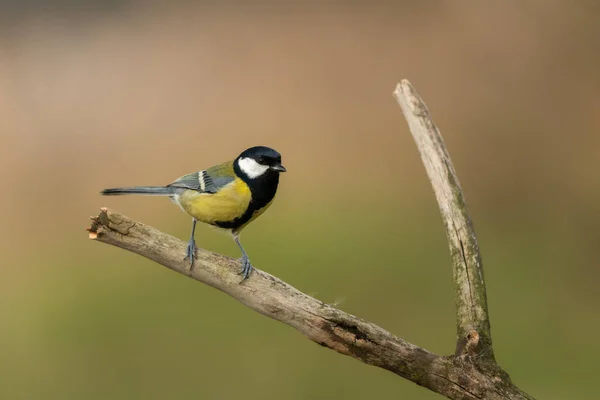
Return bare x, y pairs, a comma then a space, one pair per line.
258, 161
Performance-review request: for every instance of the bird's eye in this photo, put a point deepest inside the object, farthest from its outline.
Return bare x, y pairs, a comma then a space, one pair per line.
261, 160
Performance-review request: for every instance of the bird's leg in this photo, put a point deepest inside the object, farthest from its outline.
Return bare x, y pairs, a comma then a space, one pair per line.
246, 265
191, 247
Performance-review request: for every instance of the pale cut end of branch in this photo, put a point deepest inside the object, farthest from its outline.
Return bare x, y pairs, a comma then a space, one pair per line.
416, 105
471, 298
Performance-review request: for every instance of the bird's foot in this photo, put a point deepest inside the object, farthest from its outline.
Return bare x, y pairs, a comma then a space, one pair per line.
246, 268
190, 253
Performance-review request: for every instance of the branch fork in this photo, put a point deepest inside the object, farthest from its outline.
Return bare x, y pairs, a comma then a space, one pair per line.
471, 373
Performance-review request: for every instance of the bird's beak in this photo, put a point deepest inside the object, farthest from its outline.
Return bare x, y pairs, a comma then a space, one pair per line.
278, 168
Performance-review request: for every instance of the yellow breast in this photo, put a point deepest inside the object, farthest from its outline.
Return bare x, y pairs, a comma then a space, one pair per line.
229, 203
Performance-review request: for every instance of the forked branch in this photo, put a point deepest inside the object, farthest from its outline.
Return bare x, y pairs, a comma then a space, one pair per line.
470, 374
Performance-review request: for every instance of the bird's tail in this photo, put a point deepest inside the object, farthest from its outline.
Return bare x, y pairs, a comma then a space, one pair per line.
143, 190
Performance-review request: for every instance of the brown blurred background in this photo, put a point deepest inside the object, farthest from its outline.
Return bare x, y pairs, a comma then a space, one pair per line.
104, 93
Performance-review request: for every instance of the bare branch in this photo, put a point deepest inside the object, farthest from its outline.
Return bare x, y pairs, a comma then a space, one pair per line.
471, 299
471, 373
328, 326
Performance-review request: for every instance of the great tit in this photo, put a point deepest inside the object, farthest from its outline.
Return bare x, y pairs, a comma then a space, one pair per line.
228, 195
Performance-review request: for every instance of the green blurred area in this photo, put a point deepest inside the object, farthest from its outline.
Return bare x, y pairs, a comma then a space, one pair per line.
140, 94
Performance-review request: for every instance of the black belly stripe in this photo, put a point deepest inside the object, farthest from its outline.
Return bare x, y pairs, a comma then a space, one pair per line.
263, 190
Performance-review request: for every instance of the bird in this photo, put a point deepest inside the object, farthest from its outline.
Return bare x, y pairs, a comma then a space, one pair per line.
229, 195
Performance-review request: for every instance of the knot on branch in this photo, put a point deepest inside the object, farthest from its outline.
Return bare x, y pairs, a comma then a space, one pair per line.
467, 345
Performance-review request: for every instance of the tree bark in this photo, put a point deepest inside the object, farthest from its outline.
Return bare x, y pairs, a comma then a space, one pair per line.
471, 373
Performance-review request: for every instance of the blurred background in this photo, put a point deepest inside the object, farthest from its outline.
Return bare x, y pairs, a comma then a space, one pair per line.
95, 94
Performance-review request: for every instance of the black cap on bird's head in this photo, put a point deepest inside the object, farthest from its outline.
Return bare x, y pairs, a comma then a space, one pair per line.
258, 160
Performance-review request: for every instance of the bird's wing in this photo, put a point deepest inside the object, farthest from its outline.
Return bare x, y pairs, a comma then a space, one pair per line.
207, 181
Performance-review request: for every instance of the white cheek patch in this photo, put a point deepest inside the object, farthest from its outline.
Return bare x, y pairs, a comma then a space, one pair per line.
251, 168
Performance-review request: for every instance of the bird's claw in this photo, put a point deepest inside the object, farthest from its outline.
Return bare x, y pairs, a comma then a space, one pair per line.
190, 253
246, 269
